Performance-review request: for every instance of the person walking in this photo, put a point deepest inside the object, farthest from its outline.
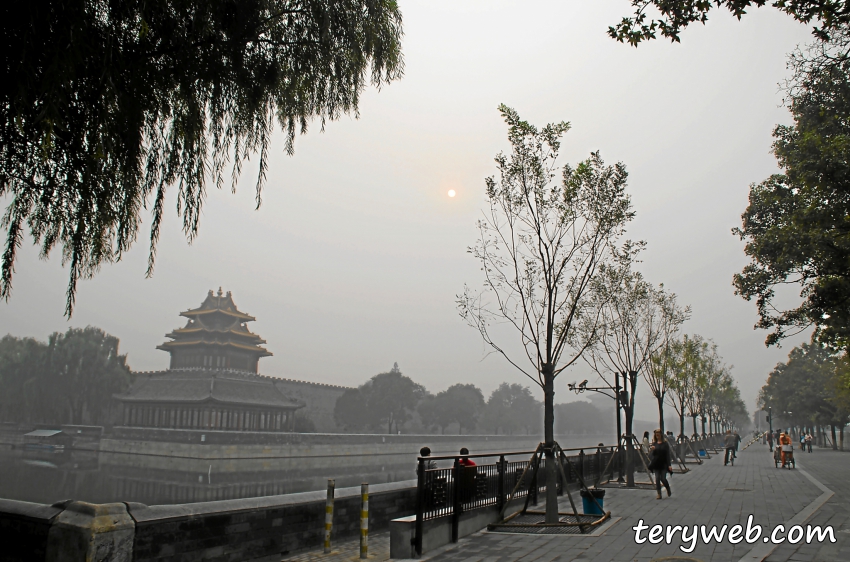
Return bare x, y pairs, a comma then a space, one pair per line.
770, 441
660, 462
737, 442
809, 439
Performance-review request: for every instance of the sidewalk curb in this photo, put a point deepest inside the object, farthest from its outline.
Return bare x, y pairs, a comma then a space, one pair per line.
762, 551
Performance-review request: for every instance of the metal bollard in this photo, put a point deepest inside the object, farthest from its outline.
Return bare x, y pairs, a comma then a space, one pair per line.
364, 521
329, 515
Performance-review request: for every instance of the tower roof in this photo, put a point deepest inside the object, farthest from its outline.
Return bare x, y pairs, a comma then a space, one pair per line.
218, 304
215, 336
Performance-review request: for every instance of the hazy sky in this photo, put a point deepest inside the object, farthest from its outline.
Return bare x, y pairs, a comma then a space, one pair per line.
354, 260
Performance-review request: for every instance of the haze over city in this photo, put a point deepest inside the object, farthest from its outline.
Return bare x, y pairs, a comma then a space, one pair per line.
356, 255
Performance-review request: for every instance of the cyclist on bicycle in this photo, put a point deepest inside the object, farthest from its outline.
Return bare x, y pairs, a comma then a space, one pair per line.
730, 442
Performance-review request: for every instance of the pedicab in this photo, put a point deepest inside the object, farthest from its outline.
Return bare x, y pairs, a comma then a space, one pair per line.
789, 456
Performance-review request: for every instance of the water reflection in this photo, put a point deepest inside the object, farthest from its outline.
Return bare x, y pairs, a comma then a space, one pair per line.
102, 477
45, 477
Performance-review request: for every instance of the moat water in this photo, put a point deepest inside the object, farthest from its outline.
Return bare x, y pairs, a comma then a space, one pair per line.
101, 477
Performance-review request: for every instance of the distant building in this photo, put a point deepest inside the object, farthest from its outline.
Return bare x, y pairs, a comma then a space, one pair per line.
213, 380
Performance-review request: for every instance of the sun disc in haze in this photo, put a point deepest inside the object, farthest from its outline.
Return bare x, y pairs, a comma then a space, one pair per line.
452, 193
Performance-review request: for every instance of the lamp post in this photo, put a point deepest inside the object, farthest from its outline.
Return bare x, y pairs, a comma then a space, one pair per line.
619, 396
770, 426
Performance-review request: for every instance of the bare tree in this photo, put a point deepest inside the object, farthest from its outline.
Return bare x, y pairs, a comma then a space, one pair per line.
542, 241
635, 320
657, 372
684, 361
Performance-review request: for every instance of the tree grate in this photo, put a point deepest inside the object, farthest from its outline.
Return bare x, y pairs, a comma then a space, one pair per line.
530, 523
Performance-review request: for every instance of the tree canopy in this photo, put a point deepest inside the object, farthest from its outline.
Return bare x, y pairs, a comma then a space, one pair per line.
69, 379
511, 408
797, 223
107, 104
675, 15
808, 389
387, 398
460, 403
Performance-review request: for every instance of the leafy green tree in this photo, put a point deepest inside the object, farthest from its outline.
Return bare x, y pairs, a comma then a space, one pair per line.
796, 224
460, 403
684, 355
676, 15
545, 233
391, 397
803, 390
71, 379
629, 321
351, 412
106, 104
86, 369
511, 408
23, 367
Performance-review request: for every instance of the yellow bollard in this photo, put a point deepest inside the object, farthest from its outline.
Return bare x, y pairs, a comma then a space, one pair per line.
329, 515
364, 521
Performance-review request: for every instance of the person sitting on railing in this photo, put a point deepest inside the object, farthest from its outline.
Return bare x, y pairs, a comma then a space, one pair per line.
467, 474
429, 463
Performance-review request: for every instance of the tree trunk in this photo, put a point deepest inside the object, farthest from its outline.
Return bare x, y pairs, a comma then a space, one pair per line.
841, 439
660, 399
694, 417
682, 424
549, 442
630, 415
832, 430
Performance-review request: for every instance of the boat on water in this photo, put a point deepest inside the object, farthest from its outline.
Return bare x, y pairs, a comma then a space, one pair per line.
54, 440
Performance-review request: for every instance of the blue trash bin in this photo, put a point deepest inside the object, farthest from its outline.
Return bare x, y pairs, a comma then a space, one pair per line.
588, 505
702, 453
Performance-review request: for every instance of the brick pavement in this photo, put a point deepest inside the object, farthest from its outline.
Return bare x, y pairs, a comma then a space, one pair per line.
831, 468
701, 496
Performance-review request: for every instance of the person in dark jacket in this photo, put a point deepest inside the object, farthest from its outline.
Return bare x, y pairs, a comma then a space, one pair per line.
660, 462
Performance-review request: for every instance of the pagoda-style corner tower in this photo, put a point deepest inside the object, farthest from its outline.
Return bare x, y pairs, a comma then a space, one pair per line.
215, 337
212, 383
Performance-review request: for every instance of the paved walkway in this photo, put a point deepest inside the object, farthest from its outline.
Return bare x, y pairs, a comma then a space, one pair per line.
710, 494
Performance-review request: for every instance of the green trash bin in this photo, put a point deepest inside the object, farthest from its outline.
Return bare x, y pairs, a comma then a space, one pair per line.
587, 503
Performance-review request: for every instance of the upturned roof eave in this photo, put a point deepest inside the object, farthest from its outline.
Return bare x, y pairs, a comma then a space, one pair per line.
261, 351
208, 399
191, 313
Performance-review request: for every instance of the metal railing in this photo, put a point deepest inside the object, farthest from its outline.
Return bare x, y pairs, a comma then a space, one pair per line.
451, 491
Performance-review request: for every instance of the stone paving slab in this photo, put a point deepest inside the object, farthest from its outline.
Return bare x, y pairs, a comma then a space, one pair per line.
348, 551
702, 497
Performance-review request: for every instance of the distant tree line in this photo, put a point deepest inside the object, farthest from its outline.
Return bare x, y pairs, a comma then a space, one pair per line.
810, 391
70, 378
393, 402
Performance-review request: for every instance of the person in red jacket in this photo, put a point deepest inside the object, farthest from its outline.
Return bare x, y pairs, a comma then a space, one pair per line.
784, 439
464, 460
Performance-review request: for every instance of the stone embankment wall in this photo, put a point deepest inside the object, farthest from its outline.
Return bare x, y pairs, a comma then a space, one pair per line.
256, 529
202, 444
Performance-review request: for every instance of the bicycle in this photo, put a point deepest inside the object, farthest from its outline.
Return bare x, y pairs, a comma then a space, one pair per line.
730, 457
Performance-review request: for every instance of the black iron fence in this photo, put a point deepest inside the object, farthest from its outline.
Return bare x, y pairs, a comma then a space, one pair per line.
458, 487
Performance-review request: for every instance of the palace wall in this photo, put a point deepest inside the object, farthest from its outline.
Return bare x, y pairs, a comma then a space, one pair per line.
319, 398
